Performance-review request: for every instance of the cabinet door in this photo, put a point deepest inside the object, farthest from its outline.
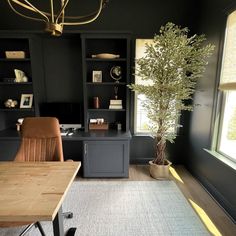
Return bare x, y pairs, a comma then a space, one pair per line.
106, 158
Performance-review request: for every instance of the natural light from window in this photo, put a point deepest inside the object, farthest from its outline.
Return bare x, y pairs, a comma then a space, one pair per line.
227, 142
141, 120
227, 127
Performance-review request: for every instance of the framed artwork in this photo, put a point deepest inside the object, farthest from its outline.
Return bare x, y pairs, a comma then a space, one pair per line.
97, 76
26, 101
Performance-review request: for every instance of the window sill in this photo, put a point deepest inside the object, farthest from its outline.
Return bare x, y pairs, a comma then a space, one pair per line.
222, 158
148, 134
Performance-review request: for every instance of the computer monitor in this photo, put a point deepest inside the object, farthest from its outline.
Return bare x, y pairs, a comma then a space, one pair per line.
65, 112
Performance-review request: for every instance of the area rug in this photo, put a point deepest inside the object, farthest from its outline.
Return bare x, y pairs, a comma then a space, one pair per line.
126, 208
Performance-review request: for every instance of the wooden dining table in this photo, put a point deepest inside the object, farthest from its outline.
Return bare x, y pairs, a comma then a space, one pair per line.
34, 191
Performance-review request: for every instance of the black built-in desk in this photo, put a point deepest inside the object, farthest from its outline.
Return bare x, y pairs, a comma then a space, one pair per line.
104, 153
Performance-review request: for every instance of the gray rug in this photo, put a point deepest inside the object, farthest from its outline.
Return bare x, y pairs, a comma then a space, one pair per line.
125, 208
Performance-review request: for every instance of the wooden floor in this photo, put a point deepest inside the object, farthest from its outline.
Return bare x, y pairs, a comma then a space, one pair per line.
212, 215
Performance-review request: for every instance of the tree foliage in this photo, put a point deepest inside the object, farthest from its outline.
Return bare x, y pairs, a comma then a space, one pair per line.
231, 134
173, 63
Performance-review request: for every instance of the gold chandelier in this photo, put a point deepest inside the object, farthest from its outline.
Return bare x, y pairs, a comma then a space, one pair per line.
54, 20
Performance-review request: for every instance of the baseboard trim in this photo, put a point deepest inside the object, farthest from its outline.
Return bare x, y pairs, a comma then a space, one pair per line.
228, 208
140, 161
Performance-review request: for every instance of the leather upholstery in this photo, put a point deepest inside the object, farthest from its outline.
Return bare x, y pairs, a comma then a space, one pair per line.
41, 140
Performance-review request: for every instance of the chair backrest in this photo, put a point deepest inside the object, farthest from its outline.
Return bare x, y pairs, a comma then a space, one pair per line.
40, 140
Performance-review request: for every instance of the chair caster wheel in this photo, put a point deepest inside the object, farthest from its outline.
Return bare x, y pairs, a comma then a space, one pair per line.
71, 232
70, 215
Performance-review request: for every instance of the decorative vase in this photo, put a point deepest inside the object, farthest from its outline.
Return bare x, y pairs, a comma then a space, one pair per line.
160, 171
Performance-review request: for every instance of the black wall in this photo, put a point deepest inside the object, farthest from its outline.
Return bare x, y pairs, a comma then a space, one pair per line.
143, 19
217, 177
61, 67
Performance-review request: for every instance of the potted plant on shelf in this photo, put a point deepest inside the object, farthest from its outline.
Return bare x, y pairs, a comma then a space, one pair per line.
171, 66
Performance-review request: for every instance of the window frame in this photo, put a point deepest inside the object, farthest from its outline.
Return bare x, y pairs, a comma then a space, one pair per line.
220, 127
136, 132
221, 97
135, 103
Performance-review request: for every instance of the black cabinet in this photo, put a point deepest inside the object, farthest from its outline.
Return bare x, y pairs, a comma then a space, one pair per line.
106, 158
106, 73
105, 152
100, 53
9, 88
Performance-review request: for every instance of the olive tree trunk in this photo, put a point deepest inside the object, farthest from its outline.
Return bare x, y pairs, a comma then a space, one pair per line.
160, 151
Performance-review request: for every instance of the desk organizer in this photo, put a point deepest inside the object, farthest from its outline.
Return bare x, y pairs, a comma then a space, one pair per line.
102, 126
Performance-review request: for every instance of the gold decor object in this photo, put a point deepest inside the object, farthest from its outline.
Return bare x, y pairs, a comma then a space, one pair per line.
10, 103
15, 54
54, 20
116, 74
106, 56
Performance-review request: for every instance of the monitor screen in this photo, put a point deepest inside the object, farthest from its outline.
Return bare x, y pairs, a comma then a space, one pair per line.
65, 112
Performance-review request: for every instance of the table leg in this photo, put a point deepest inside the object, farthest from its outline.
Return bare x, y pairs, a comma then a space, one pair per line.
58, 227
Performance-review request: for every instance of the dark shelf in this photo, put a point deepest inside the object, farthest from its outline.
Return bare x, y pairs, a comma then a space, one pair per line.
16, 109
105, 83
9, 83
103, 109
14, 59
105, 59
118, 44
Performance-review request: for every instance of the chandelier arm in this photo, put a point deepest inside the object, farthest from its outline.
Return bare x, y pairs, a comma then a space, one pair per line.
27, 7
27, 17
97, 13
81, 17
52, 11
62, 10
37, 10
21, 4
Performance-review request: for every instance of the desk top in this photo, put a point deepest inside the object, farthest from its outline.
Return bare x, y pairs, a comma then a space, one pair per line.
34, 191
12, 134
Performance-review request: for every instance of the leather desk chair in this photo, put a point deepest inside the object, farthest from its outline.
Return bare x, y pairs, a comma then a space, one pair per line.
40, 141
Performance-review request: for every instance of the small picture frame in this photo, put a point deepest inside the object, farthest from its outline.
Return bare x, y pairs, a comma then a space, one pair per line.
26, 101
97, 76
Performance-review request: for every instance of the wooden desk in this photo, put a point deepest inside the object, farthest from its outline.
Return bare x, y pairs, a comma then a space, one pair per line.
34, 191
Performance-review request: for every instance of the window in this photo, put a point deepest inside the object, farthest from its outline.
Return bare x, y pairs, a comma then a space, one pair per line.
227, 128
140, 119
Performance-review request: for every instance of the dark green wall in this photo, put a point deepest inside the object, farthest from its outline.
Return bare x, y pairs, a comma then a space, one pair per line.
218, 178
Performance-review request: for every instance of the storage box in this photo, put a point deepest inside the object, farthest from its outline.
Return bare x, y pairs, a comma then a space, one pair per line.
15, 54
102, 126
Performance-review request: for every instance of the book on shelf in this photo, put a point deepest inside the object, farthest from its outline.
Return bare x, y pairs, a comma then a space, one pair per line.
115, 102
115, 106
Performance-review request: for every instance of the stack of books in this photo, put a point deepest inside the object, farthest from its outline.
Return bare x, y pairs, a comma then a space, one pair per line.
115, 104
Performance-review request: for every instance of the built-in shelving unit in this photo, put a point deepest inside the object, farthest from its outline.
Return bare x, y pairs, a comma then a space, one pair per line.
108, 88
9, 89
103, 156
57, 79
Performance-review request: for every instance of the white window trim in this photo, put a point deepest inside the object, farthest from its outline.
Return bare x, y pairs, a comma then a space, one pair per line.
218, 126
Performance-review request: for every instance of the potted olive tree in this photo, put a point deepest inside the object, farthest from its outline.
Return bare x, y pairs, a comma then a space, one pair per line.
171, 65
